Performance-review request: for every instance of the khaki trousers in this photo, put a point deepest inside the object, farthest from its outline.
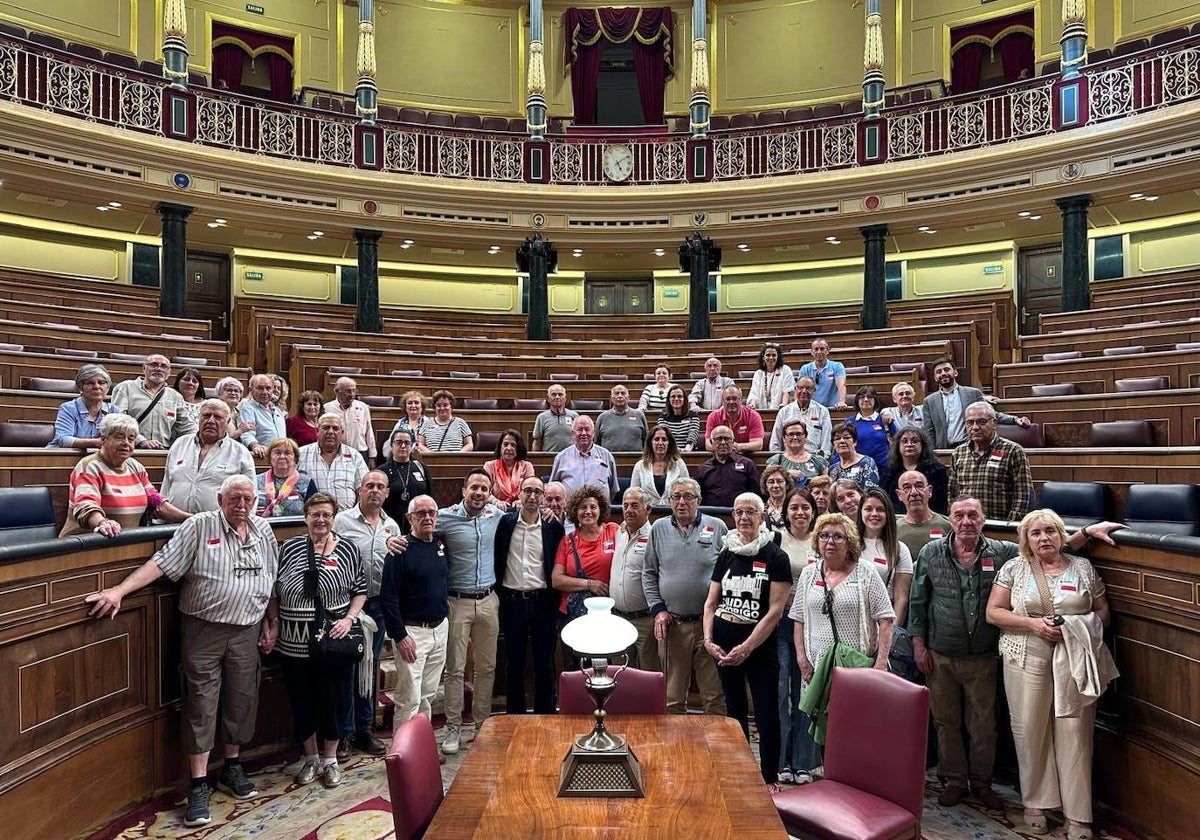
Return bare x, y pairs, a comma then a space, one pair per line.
475, 622
1054, 754
644, 653
954, 679
682, 651
220, 665
417, 681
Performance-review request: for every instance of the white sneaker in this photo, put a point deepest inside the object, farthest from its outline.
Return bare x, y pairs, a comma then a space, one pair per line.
451, 742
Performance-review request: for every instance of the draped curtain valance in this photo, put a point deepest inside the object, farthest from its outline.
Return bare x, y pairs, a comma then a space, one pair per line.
653, 54
230, 44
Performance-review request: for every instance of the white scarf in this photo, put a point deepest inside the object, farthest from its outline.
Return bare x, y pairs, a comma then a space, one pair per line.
734, 543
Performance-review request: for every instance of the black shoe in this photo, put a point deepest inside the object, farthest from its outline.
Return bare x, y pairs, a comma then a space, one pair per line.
343, 750
367, 742
233, 779
197, 809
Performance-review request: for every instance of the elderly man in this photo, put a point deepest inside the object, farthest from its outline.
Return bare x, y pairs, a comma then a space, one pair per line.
625, 581
727, 473
991, 468
745, 422
526, 544
906, 412
621, 428
356, 419
552, 428
335, 468
920, 524
415, 596
157, 407
828, 375
227, 560
585, 463
375, 535
198, 465
815, 417
944, 410
706, 393
469, 529
680, 556
554, 505
270, 421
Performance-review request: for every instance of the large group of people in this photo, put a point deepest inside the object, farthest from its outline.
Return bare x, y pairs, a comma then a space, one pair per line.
845, 537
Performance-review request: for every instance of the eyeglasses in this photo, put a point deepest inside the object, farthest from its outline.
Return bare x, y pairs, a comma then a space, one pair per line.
722, 439
795, 434
684, 497
744, 514
533, 491
831, 538
402, 443
422, 513
982, 421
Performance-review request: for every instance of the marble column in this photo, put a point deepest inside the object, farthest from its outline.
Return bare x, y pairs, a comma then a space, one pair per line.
874, 313
873, 80
698, 258
537, 258
535, 82
1074, 37
368, 318
172, 298
699, 105
1075, 294
174, 45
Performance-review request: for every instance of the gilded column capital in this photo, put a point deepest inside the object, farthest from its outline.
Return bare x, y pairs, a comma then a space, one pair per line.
873, 47
1074, 11
366, 49
174, 19
700, 83
536, 83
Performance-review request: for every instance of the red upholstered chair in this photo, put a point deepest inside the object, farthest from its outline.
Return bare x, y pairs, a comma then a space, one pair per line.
1030, 437
741, 121
378, 400
21, 433
414, 777
1054, 389
637, 693
511, 374
1063, 356
614, 377
346, 370
858, 369
874, 784
529, 404
1123, 351
415, 372
45, 383
586, 405
464, 374
1123, 433
78, 354
486, 441
486, 403
563, 377
1142, 383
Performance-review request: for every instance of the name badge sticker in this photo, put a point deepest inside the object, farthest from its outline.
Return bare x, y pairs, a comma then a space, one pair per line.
213, 543
759, 567
882, 561
1068, 587
935, 533
738, 465
987, 565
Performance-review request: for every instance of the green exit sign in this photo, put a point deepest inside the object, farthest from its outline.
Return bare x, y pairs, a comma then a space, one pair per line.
993, 269
670, 293
253, 275
255, 10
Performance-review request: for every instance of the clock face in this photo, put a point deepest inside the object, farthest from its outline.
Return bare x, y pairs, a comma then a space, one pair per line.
618, 162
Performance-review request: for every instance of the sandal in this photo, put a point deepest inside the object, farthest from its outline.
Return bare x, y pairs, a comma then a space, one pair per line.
1036, 823
773, 788
1079, 832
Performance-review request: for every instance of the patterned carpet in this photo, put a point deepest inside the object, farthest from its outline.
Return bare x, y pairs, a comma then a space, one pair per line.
361, 810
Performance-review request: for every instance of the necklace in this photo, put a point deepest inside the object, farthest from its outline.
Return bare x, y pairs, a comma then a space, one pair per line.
407, 476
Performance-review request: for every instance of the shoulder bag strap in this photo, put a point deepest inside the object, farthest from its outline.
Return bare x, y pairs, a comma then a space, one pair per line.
153, 402
319, 618
1043, 586
578, 565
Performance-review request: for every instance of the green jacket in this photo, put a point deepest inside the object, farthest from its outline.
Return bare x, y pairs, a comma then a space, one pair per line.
815, 700
947, 603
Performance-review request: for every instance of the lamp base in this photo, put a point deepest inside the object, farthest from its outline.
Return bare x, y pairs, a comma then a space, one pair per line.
612, 773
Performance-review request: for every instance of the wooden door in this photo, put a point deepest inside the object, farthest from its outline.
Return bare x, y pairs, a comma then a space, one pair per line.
637, 297
1039, 285
207, 294
618, 297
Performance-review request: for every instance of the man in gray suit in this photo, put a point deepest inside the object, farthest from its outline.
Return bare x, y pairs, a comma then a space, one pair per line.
944, 408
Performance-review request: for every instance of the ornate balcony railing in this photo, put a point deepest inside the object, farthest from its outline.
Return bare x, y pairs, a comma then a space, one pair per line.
42, 77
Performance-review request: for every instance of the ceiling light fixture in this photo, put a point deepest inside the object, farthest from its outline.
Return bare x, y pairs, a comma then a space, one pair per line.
1024, 214
1034, 218
103, 208
1136, 196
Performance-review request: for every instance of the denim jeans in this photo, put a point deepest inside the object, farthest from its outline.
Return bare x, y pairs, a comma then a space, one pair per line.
797, 749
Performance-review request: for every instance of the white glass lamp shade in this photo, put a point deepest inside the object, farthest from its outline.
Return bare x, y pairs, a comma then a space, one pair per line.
599, 632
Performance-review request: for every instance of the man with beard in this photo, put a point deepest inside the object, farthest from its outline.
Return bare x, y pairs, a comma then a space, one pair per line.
944, 408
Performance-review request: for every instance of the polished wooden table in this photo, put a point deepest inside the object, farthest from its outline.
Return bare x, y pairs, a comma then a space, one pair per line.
700, 777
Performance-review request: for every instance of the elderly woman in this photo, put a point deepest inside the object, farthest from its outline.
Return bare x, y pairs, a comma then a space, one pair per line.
846, 495
110, 490
654, 395
797, 749
1035, 597
821, 489
283, 489
445, 432
414, 418
874, 432
302, 426
584, 559
848, 462
746, 598
508, 469
659, 466
882, 551
911, 450
775, 483
680, 419
189, 383
318, 565
773, 382
801, 465
839, 602
231, 392
78, 423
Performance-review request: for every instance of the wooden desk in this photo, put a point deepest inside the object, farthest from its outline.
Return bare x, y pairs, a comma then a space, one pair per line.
701, 782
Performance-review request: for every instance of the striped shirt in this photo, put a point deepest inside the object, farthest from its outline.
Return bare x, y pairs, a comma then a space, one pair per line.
120, 494
192, 485
340, 578
685, 430
225, 580
340, 478
448, 438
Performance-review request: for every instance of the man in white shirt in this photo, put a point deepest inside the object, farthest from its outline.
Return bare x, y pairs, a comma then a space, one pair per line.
267, 420
335, 468
945, 409
157, 407
356, 419
815, 417
625, 581
706, 393
198, 465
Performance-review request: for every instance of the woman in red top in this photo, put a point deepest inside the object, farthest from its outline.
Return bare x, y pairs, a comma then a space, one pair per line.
589, 548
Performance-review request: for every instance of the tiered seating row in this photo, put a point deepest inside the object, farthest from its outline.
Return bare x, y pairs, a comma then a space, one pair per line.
1163, 335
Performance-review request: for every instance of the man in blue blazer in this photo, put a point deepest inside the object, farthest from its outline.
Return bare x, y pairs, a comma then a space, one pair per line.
526, 545
945, 408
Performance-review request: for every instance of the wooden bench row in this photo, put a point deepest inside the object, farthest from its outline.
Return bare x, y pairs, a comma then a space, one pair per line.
1098, 374
17, 368
1146, 288
19, 309
1163, 335
49, 338
76, 292
1179, 309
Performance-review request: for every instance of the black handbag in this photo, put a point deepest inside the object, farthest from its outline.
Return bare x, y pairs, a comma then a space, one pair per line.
575, 606
349, 649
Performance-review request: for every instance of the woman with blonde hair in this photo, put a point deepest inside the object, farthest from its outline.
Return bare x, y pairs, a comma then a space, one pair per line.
1043, 600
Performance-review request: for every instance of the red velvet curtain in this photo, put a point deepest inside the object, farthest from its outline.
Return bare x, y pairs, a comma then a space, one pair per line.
653, 53
280, 71
1016, 56
227, 67
966, 68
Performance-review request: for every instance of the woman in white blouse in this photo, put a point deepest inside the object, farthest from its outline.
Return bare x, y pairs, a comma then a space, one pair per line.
659, 466
773, 382
882, 551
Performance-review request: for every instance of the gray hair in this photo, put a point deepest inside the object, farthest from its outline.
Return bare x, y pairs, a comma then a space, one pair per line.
753, 498
118, 423
215, 404
237, 480
329, 415
638, 491
981, 405
90, 371
229, 380
684, 483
